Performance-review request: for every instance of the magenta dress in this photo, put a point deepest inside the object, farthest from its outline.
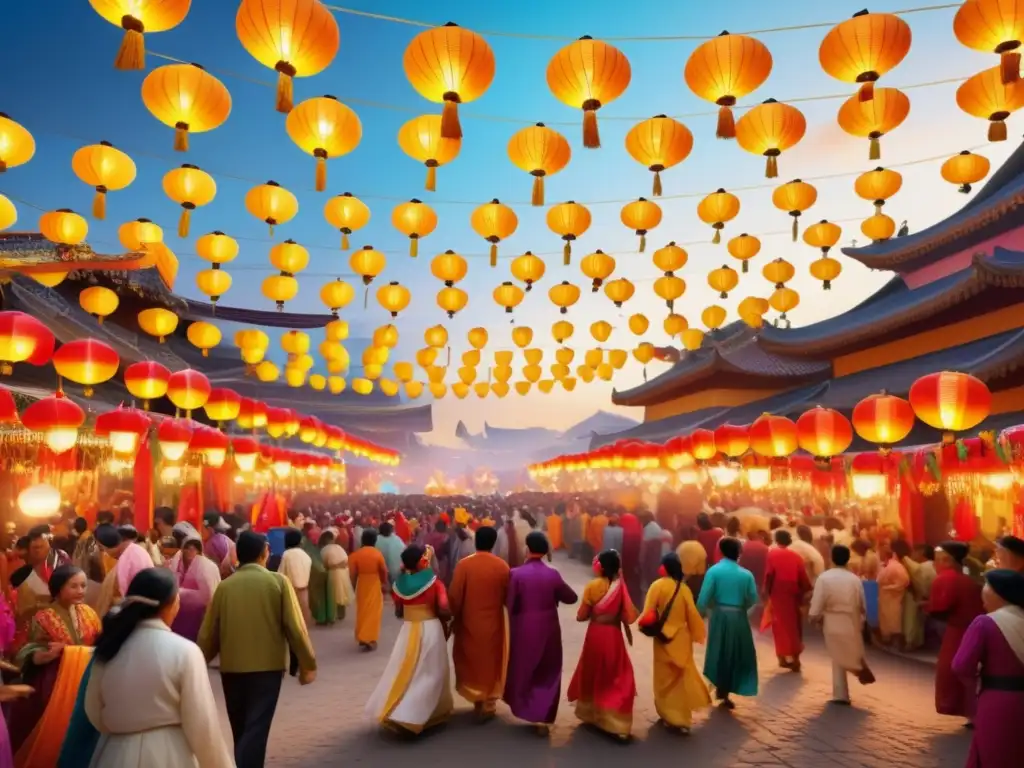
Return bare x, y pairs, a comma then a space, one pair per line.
533, 683
985, 655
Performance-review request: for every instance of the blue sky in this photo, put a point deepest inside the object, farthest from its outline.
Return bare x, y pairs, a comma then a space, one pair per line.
60, 83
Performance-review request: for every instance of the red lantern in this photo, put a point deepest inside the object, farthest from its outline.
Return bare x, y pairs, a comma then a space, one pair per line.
702, 444
823, 433
252, 414
174, 436
57, 418
732, 440
950, 401
308, 429
883, 419
87, 362
277, 421
212, 444
335, 438
188, 390
773, 436
124, 428
8, 408
246, 450
147, 381
23, 339
676, 453
222, 405
869, 475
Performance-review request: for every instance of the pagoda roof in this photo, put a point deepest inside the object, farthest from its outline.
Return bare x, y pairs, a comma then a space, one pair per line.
897, 306
732, 350
202, 310
29, 252
995, 209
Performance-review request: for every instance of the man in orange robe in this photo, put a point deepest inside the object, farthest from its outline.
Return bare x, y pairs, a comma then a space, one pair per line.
477, 598
595, 532
554, 528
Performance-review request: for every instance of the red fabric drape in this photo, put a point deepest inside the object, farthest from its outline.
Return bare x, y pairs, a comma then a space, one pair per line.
143, 486
965, 522
190, 505
217, 488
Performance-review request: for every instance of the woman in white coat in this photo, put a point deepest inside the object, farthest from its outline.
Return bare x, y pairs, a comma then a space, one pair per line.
149, 695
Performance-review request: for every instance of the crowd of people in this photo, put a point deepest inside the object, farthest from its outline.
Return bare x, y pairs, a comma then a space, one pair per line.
107, 634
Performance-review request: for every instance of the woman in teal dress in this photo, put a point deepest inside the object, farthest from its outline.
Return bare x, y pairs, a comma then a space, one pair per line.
726, 595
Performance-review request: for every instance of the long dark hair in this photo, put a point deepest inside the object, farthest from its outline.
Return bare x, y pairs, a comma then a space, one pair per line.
150, 590
610, 563
61, 575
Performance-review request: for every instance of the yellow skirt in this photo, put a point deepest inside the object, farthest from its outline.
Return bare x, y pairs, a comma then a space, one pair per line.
42, 748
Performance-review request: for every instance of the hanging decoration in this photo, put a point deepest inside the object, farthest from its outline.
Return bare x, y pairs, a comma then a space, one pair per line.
985, 95
421, 139
190, 187
394, 297
494, 222
723, 70
415, 220
271, 203
346, 214
794, 197
878, 186
951, 402
770, 129
723, 280
64, 228
104, 168
883, 419
147, 381
588, 74
717, 209
743, 248
98, 301
324, 128
452, 300
639, 324
528, 269
993, 26
597, 267
336, 295
541, 152
203, 336
965, 169
874, 118
659, 143
569, 221
87, 362
449, 267
564, 295
642, 216
137, 17
863, 48
186, 98
158, 322
508, 295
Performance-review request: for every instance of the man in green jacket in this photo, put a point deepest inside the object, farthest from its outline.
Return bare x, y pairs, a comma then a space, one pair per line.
252, 622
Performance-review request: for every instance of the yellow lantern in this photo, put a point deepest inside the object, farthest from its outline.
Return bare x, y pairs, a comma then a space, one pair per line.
674, 325
593, 357
362, 386
723, 280
267, 372
533, 356
528, 269
743, 248
367, 263
203, 336
336, 295
336, 384
874, 118
63, 227
421, 139
588, 74
385, 337
187, 98
605, 371
641, 216
826, 269
541, 152
644, 352
413, 389
336, 330
494, 222
617, 358
317, 382
271, 203
295, 344
564, 356
217, 248
601, 330
503, 358
435, 336
713, 317
467, 374
460, 390
794, 197
562, 330
784, 300
190, 188
280, 289
324, 128
692, 339
8, 214
449, 267
717, 209
414, 219
659, 143
878, 227
639, 324
50, 279
438, 389
136, 17
559, 371
251, 338
158, 322
104, 168
619, 291
214, 283
471, 358
137, 235
403, 371
564, 295
508, 295
546, 385
670, 259
779, 272
452, 300
878, 186
669, 288
394, 297
769, 129
522, 336
477, 338
569, 221
823, 235
963, 169
522, 388
584, 373
98, 301
346, 214
500, 388
16, 144
597, 267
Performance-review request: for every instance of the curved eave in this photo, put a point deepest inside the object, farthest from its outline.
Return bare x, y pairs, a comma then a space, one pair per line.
201, 310
685, 372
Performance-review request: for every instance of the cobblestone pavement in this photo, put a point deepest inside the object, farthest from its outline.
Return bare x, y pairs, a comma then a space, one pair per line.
892, 723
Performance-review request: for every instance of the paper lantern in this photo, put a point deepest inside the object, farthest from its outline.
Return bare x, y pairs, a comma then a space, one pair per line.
724, 69
414, 219
336, 384
619, 291
770, 129
87, 362
950, 401
963, 169
190, 187
562, 330
49, 279
223, 405
639, 324
669, 288
318, 382
601, 330
743, 248
644, 352
449, 267
863, 48
564, 295
692, 339
674, 324
324, 128
528, 269
717, 209
618, 358
985, 95
203, 336
784, 300
773, 436
823, 235
280, 289
245, 451
346, 214
267, 372
8, 213
878, 186
477, 340
779, 272
794, 197
494, 222
993, 26
295, 344
252, 414
713, 317
522, 336
147, 381
826, 269
723, 280
451, 66
732, 440
641, 216
421, 139
217, 248
23, 339
158, 322
98, 301
436, 336
214, 283
878, 227
271, 203
136, 17
188, 390
874, 118
174, 436
187, 98
588, 74
883, 419
367, 263
124, 428
597, 266
452, 300
393, 297
296, 38
508, 295
823, 433
569, 221
659, 143
593, 357
251, 338
336, 295
438, 389
211, 444
63, 227
104, 168
336, 330
541, 152
57, 419
16, 144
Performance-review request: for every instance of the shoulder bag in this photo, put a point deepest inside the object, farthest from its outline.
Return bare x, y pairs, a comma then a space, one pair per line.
654, 629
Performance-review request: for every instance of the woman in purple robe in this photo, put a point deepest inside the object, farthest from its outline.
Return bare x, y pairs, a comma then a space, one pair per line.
992, 654
198, 578
216, 545
533, 682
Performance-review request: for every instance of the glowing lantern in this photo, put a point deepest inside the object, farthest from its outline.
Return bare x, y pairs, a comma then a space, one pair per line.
601, 330
669, 288
477, 339
136, 18
528, 269
779, 272
562, 330
16, 144
367, 263
294, 376
569, 221
522, 336
716, 209
618, 358
271, 203
295, 344
597, 266
588, 74
732, 440
659, 143
494, 222
217, 248
204, 336
49, 279
985, 95
965, 169
702, 444
87, 362
564, 295
415, 220
346, 214
385, 337
158, 322
214, 283
826, 269
104, 168
436, 336
674, 324
267, 372
403, 371
98, 301
823, 433
188, 390
593, 357
751, 309
723, 280
883, 419
863, 48
503, 357
541, 152
187, 98
950, 401
190, 188
296, 38
713, 317
794, 197
211, 444
508, 295
336, 384
641, 216
878, 186
438, 389
449, 267
874, 118
784, 300
770, 129
23, 338
564, 356
223, 405
147, 381
421, 139
619, 291
878, 227
604, 372
993, 26
869, 476
245, 450
336, 295
40, 501
644, 352
773, 436
318, 382
280, 289
57, 418
252, 414
336, 330
743, 248
724, 69
393, 297
8, 213
324, 128
823, 235
63, 227
139, 234
174, 436
452, 300
467, 374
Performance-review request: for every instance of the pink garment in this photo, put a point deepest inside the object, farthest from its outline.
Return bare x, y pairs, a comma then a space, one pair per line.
132, 560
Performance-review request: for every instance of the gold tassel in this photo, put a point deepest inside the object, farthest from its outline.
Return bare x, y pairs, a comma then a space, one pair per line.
494, 256
538, 191
181, 138
657, 184
184, 221
796, 229
746, 267
321, 174
132, 53
566, 253
717, 238
1009, 66
997, 130
875, 153
451, 128
591, 138
99, 205
99, 319
344, 241
206, 353
878, 206
643, 243
726, 124
771, 167
866, 92
414, 247
285, 93
431, 178
271, 228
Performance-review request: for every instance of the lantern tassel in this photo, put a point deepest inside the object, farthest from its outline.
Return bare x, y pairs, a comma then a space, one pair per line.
321, 174
1009, 66
414, 246
771, 167
657, 184
99, 205
717, 238
866, 92
827, 285
997, 130
591, 137
566, 254
538, 191
494, 256
875, 152
726, 124
643, 243
796, 231
344, 241
181, 138
184, 221
206, 353
431, 185
285, 92
132, 53
746, 267
451, 128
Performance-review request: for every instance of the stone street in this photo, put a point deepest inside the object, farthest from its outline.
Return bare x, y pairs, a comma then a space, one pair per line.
891, 725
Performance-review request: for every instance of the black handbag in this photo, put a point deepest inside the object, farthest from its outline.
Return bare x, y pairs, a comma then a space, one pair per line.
654, 629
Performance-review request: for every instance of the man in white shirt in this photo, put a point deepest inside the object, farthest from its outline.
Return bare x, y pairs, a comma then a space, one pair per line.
803, 545
296, 566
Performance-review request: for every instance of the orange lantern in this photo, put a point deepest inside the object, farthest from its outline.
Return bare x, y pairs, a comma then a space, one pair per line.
716, 209
174, 436
508, 295
252, 414
619, 291
641, 216
23, 339
863, 48
794, 197
564, 295
324, 128
452, 300
878, 186
784, 300
124, 428
724, 69
223, 405
713, 317
965, 169
993, 26
779, 272
528, 269
104, 168
414, 219
732, 440
588, 74
187, 98
158, 321
874, 118
136, 18
541, 152
147, 381
271, 203
57, 418
773, 436
597, 266
336, 295
188, 390
190, 187
883, 419
985, 95
367, 263
659, 143
211, 444
494, 222
87, 362
826, 269
394, 297
723, 280
878, 227
245, 450
421, 139
702, 445
98, 301
949, 401
823, 235
770, 129
823, 433
743, 248
63, 227
568, 220
217, 248
346, 214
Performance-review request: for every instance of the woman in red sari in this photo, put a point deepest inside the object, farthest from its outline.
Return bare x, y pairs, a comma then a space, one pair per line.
603, 687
